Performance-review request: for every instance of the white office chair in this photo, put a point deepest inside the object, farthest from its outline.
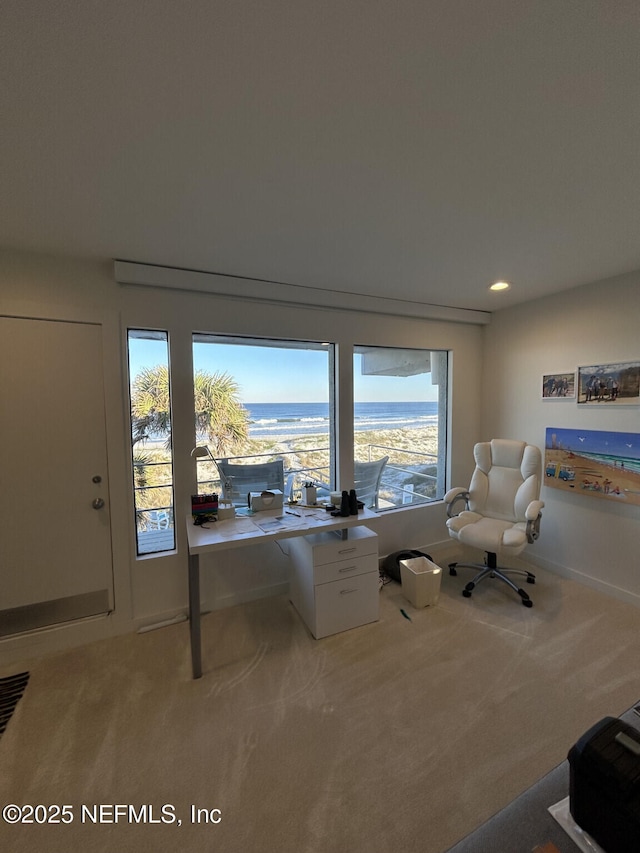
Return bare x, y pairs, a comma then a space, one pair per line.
366, 480
502, 509
251, 478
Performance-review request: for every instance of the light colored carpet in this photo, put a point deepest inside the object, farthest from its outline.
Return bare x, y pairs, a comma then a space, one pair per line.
397, 735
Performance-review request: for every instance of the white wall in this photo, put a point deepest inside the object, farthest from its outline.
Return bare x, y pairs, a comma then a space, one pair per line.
152, 589
589, 538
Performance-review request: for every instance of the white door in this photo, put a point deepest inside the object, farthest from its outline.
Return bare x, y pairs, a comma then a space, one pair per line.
55, 534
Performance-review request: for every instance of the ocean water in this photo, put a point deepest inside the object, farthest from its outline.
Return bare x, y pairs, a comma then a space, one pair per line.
270, 419
631, 463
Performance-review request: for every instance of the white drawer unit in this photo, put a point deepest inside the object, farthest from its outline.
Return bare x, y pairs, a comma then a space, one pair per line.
334, 581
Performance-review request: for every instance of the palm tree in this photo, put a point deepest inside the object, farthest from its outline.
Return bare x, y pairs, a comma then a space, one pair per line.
219, 413
150, 410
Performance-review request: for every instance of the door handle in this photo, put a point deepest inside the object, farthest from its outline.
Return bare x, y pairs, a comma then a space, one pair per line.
98, 503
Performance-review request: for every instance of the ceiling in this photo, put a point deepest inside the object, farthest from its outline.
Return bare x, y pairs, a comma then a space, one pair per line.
419, 149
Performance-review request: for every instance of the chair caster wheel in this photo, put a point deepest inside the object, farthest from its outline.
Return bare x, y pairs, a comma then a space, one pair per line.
525, 598
531, 578
452, 569
466, 593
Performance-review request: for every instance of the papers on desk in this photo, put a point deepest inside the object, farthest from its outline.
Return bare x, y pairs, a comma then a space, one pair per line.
270, 525
237, 526
246, 525
281, 522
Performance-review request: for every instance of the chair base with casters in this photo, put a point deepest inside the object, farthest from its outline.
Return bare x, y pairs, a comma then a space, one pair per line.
490, 569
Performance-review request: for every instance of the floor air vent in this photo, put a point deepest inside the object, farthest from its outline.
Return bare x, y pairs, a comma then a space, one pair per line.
11, 690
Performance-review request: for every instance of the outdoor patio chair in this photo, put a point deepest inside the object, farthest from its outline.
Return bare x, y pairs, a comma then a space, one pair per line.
258, 477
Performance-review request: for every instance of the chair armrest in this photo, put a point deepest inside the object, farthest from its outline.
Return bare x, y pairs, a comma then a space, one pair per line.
452, 497
533, 515
533, 510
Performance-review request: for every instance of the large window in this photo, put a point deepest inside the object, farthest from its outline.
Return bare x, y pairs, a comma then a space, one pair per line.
149, 390
261, 400
400, 398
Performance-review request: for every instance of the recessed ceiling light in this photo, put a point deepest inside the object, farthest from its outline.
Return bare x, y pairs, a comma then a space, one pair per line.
500, 285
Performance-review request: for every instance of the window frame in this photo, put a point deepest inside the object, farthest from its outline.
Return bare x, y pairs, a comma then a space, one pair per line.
281, 343
439, 366
136, 332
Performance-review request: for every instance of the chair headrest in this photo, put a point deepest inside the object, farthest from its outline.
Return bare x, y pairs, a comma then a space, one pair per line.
507, 453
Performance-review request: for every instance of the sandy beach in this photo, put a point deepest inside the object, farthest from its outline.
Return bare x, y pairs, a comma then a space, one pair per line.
592, 477
409, 450
401, 443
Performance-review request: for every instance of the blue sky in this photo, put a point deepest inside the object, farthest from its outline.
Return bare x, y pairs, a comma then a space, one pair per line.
625, 444
268, 374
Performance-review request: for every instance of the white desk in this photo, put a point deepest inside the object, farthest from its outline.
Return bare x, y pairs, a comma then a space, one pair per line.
243, 531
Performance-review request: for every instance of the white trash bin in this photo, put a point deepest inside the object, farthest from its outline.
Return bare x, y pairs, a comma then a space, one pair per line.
420, 581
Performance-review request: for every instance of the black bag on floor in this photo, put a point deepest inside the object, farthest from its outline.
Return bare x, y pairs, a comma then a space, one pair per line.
391, 565
604, 787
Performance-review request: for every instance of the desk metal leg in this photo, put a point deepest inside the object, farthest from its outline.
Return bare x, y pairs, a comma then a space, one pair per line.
194, 615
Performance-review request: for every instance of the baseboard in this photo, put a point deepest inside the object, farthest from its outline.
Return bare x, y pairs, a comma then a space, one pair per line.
442, 553
573, 574
162, 620
59, 611
449, 551
245, 597
41, 642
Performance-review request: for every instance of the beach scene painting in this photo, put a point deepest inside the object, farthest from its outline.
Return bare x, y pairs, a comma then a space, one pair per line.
599, 463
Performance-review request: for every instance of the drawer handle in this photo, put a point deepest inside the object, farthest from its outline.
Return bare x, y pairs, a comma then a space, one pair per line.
347, 591
347, 550
347, 569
